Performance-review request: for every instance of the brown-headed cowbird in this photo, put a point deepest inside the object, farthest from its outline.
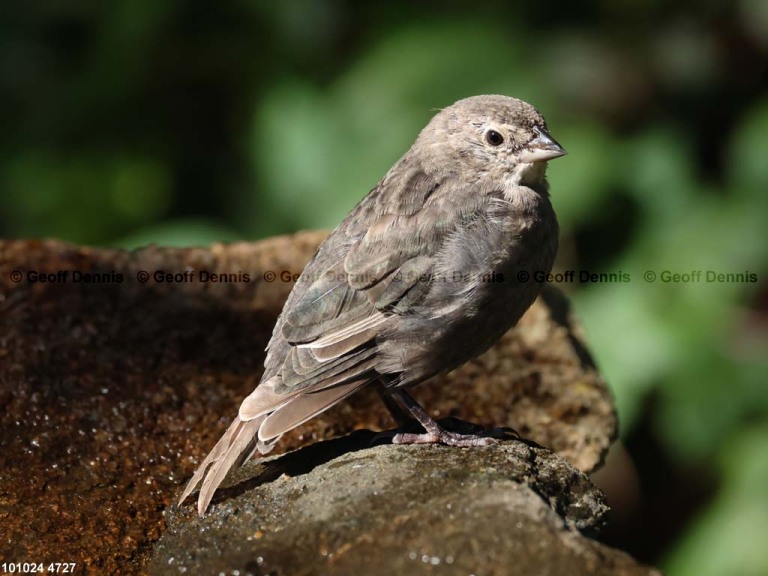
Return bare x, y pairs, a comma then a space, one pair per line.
424, 274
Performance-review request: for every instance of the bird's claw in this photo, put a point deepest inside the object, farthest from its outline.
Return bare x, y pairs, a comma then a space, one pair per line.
444, 437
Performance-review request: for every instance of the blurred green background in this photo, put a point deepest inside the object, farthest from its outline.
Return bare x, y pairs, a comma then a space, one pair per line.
127, 122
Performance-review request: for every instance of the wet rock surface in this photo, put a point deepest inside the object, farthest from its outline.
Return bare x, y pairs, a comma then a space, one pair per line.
340, 507
112, 389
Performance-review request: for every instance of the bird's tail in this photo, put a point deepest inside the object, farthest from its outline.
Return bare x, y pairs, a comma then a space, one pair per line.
264, 417
235, 447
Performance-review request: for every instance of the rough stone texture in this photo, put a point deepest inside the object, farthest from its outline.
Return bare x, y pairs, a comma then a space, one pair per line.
335, 508
111, 393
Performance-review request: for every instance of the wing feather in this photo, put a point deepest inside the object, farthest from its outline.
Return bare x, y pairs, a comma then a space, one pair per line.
304, 407
378, 264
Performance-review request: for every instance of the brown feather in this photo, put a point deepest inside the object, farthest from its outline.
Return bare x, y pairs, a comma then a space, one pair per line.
398, 288
304, 407
234, 447
262, 400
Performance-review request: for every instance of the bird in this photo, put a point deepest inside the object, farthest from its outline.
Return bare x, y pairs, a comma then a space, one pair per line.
429, 269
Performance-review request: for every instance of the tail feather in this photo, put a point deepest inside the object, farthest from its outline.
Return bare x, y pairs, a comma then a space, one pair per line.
234, 448
264, 416
305, 406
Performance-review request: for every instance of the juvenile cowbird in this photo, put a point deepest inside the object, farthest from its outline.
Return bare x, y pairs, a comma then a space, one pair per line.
424, 274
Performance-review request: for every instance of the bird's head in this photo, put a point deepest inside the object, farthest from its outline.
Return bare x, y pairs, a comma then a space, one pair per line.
494, 137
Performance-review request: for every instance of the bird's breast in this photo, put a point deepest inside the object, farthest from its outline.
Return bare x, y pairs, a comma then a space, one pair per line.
484, 281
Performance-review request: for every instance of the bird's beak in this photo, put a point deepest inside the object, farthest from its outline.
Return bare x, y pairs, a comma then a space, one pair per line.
543, 147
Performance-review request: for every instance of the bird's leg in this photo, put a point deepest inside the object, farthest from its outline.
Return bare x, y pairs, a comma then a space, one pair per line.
435, 434
400, 416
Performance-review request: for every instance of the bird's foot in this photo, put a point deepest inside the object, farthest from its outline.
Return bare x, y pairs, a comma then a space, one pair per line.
461, 433
444, 437
449, 431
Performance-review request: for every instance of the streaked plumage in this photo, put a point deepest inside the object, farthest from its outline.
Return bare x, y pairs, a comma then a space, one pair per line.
419, 278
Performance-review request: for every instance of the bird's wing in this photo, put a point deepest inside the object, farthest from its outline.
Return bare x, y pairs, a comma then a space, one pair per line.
372, 268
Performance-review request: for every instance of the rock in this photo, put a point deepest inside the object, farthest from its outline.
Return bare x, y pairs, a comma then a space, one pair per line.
112, 388
339, 507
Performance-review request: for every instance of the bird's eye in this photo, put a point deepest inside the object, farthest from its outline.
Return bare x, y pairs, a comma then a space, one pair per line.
494, 138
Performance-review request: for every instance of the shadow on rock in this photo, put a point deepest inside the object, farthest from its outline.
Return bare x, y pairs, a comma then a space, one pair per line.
300, 462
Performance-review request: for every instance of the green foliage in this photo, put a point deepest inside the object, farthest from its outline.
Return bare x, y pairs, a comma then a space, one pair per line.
85, 197
179, 233
180, 125
686, 340
346, 136
729, 538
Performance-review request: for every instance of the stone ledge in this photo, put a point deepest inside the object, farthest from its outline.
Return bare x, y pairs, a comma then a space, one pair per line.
340, 507
110, 394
